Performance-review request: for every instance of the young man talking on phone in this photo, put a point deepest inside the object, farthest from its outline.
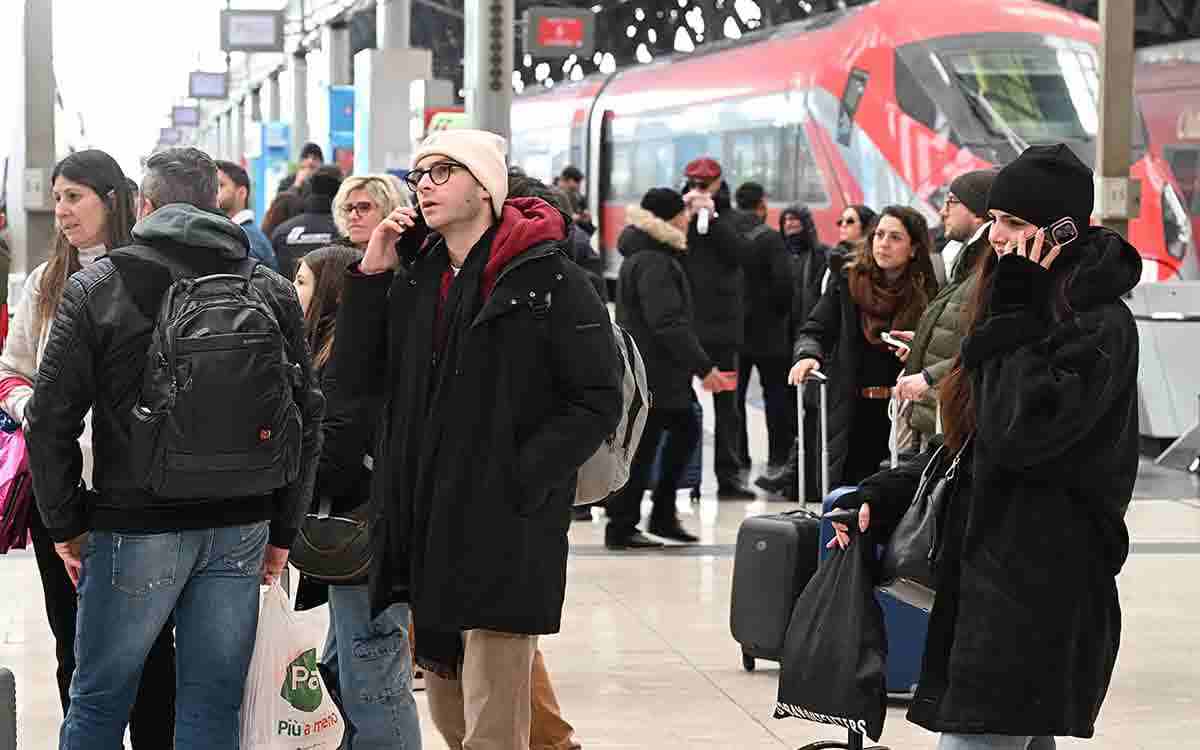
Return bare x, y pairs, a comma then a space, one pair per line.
501, 378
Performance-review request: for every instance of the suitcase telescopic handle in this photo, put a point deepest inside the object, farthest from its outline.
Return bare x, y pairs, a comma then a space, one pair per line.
822, 381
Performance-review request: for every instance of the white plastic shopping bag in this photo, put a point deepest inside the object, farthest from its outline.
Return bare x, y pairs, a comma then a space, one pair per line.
286, 705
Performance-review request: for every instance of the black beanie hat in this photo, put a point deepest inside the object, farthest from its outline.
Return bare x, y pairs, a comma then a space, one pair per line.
1043, 185
664, 203
972, 189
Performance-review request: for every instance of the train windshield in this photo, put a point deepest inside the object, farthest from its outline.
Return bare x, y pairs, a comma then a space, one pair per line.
1040, 94
998, 93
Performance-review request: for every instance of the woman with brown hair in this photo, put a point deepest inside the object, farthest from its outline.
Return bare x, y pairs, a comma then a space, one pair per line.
93, 213
287, 205
1040, 413
367, 659
878, 291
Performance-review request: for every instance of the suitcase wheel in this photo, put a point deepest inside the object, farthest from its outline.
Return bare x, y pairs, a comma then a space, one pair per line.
747, 662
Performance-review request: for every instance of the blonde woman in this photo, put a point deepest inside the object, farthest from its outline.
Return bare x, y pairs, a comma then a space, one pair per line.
361, 203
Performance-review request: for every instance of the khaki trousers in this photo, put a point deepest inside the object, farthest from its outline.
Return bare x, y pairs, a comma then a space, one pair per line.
489, 707
549, 730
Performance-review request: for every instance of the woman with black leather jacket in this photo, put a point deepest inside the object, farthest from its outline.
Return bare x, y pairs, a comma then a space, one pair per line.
1042, 407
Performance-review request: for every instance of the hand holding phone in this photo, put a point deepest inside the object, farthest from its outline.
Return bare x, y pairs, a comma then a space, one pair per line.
902, 347
404, 226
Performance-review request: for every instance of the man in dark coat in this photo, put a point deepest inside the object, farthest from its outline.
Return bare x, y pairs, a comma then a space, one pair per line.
1023, 636
656, 306
311, 159
767, 345
313, 229
714, 265
810, 276
501, 378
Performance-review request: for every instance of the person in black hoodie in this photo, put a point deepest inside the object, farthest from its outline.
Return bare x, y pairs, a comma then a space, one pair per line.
811, 272
655, 304
313, 229
1042, 404
714, 264
138, 558
768, 340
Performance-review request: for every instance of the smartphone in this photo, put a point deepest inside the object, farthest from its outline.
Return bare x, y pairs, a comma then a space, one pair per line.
892, 340
1062, 232
413, 239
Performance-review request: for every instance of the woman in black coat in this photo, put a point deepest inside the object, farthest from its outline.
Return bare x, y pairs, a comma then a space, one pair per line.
878, 291
1024, 633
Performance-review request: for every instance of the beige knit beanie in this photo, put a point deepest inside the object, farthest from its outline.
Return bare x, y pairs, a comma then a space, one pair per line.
480, 151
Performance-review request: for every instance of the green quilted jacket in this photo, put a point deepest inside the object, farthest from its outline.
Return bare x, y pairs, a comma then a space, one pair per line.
940, 332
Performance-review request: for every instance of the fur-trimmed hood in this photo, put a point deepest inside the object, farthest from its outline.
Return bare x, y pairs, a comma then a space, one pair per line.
649, 226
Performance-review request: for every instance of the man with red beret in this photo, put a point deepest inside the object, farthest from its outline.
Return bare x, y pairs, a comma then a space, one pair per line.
716, 252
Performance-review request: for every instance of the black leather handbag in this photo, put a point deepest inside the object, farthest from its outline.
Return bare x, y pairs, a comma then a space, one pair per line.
909, 558
334, 548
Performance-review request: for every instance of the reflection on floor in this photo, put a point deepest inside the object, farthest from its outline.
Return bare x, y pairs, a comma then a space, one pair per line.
645, 659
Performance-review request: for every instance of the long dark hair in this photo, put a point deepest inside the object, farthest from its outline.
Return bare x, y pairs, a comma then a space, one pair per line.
100, 173
918, 275
956, 395
328, 265
287, 205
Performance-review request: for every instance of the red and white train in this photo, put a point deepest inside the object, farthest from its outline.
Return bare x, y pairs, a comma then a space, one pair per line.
878, 104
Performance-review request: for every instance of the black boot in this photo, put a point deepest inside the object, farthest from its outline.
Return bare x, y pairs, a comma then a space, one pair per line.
670, 528
787, 480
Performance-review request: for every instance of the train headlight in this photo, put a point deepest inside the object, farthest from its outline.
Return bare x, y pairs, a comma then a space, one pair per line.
1177, 228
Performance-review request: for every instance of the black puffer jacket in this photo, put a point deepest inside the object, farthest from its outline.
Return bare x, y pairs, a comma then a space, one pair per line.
714, 265
654, 303
533, 392
95, 358
1025, 630
768, 288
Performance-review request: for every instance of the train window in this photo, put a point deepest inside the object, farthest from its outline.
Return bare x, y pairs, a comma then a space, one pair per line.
622, 185
810, 187
856, 86
1185, 164
914, 100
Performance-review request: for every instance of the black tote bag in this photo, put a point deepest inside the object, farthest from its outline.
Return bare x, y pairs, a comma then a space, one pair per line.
909, 558
835, 652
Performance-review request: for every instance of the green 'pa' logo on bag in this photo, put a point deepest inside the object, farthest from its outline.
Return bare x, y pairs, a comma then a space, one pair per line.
302, 682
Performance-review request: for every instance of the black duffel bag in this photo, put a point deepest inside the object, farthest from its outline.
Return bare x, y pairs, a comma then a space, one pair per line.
334, 547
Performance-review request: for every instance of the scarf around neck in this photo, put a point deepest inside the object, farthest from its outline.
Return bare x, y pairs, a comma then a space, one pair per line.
883, 305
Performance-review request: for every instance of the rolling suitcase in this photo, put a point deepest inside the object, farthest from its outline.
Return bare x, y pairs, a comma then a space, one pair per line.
8, 710
693, 473
775, 557
906, 625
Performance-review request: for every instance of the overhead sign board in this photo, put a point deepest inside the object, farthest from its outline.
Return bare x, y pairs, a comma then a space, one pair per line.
252, 30
559, 32
185, 117
202, 85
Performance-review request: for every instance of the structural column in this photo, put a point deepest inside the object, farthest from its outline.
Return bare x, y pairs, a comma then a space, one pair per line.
489, 64
274, 98
299, 101
393, 24
33, 236
337, 41
239, 130
1116, 114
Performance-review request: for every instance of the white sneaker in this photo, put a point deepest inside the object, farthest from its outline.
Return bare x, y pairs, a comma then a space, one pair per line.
418, 680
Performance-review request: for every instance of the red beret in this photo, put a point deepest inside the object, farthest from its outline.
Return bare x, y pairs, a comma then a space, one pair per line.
704, 168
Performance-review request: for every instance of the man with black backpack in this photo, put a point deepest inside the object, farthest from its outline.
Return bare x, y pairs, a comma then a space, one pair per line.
206, 429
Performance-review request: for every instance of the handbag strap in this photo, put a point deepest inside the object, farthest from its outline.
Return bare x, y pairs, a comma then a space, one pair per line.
324, 507
958, 458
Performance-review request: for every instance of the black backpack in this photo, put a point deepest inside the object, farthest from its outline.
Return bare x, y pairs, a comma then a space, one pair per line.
216, 416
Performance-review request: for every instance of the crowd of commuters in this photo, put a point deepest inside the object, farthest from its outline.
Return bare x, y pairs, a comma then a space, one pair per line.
457, 317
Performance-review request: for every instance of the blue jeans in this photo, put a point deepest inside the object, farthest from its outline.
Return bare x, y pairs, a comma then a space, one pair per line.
130, 585
372, 665
994, 742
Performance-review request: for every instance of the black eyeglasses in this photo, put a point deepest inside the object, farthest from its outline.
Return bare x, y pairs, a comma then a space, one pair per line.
439, 173
362, 208
846, 221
